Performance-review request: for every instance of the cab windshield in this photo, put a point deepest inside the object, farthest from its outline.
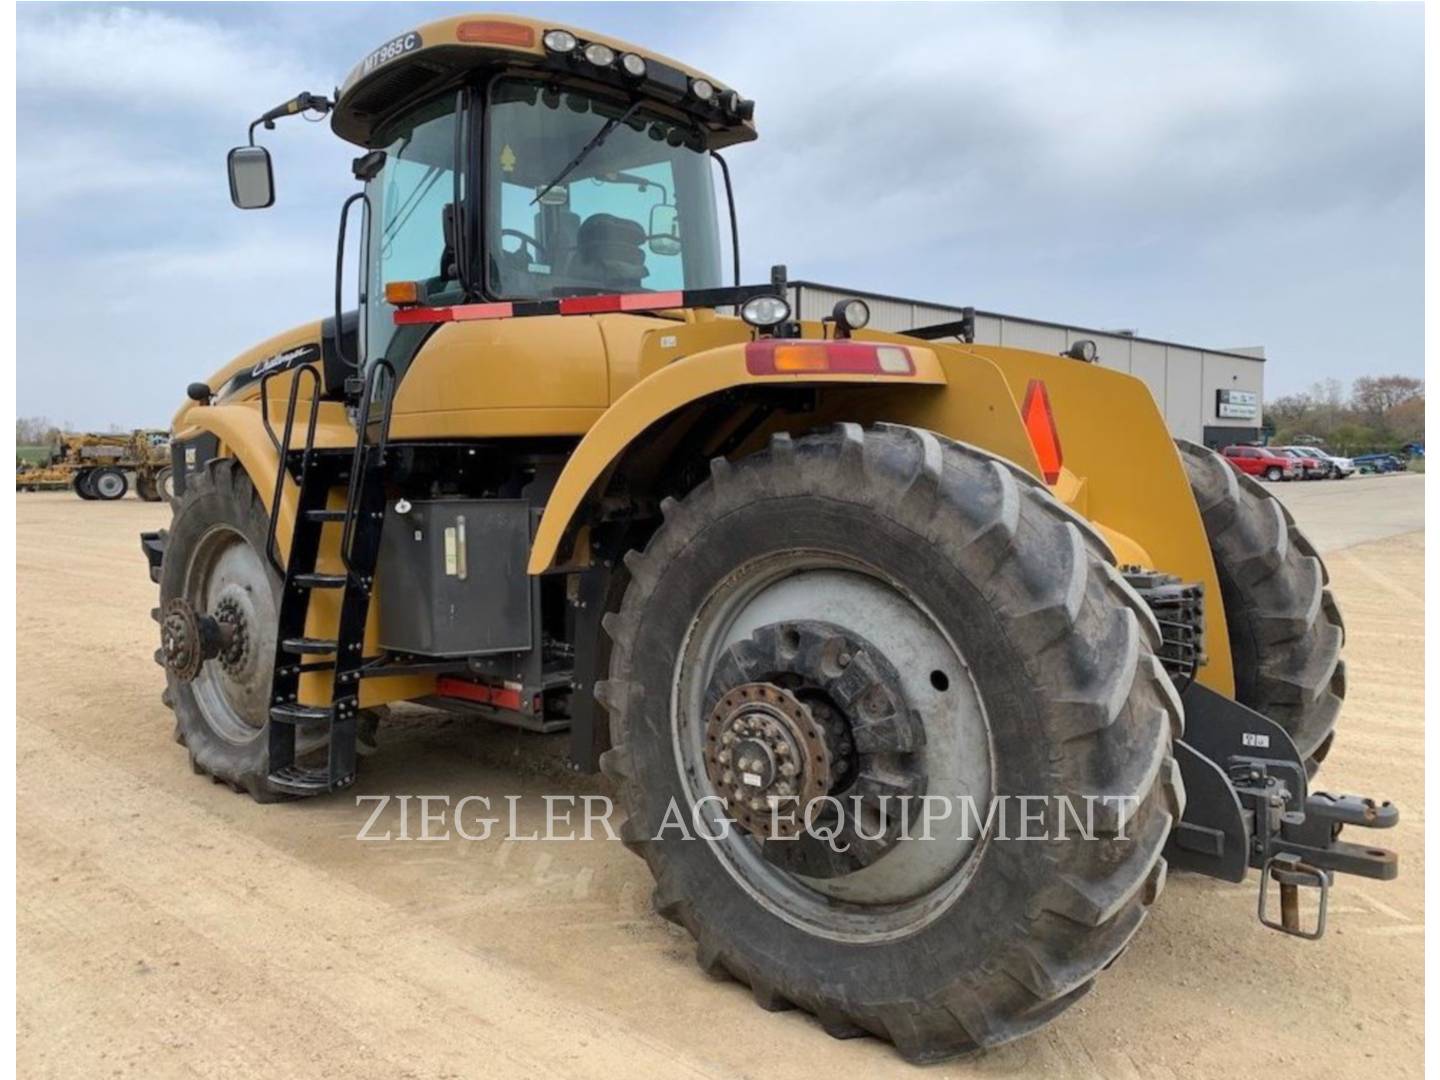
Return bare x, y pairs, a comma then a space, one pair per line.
636, 215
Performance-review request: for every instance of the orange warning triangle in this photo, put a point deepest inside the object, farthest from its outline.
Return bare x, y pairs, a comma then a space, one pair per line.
1040, 425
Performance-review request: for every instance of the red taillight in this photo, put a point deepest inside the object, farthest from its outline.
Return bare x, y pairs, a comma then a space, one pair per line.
790, 356
1040, 426
495, 32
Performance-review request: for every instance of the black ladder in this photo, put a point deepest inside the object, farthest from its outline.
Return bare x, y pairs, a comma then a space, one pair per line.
318, 472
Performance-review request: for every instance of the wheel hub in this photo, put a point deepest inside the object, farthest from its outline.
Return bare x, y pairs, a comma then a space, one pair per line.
799, 711
767, 757
231, 616
188, 638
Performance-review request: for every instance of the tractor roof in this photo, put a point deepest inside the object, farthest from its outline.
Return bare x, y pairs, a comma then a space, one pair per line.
440, 54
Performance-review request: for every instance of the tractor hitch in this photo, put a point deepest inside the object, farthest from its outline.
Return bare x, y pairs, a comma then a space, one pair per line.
1248, 805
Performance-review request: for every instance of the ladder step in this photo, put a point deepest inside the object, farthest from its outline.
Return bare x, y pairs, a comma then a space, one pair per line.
303, 645
319, 581
300, 714
297, 780
325, 515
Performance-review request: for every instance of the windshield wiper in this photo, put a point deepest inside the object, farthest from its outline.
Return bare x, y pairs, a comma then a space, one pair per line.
587, 149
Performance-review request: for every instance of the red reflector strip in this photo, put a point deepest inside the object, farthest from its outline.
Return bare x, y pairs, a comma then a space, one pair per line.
795, 356
597, 305
498, 696
589, 305
1040, 426
466, 312
571, 305
459, 313
651, 301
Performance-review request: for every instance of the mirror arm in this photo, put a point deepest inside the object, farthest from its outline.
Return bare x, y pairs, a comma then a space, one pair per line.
734, 225
301, 102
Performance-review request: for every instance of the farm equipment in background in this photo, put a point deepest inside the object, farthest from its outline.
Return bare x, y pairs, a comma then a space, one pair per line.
754, 564
97, 465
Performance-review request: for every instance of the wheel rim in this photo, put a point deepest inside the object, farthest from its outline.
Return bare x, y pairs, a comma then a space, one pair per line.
109, 485
916, 880
228, 579
167, 485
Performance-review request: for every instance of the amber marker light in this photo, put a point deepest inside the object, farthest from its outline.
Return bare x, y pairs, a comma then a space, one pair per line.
402, 293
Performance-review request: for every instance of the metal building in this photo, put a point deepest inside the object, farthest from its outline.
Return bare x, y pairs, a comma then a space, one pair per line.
1207, 395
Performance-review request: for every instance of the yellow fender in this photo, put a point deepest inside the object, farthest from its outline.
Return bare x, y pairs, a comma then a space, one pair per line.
672, 387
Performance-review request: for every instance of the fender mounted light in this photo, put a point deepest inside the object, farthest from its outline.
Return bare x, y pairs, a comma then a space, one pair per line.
1040, 426
788, 356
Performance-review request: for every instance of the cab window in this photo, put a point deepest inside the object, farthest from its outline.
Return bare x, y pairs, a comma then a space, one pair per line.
637, 215
407, 203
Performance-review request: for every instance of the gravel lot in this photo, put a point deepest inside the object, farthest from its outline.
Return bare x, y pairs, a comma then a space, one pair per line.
168, 927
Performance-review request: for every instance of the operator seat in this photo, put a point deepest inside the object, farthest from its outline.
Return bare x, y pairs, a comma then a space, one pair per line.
608, 252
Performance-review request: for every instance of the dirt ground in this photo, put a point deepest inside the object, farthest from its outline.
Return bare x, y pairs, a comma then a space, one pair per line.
167, 927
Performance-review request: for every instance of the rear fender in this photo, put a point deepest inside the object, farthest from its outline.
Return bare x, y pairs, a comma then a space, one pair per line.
1126, 476
681, 383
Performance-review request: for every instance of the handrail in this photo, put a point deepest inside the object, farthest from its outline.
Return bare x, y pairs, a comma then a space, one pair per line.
359, 461
284, 449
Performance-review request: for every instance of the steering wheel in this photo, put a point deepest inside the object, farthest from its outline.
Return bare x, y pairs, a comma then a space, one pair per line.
528, 240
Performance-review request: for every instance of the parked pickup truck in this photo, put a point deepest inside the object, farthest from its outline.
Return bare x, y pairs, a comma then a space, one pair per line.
1337, 468
1312, 466
1263, 461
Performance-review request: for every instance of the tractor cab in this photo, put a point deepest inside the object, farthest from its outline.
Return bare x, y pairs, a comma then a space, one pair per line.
511, 160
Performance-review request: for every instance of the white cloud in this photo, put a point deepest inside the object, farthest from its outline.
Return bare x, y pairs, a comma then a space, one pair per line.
152, 60
83, 163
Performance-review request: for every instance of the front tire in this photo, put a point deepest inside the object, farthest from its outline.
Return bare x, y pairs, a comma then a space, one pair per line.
1274, 475
955, 547
1285, 627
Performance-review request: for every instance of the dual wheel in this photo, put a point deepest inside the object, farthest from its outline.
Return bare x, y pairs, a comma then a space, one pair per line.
108, 483
886, 623
105, 483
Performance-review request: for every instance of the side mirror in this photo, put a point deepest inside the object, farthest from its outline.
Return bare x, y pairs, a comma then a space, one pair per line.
664, 230
252, 184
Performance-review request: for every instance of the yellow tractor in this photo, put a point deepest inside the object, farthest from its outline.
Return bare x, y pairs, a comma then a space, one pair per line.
910, 681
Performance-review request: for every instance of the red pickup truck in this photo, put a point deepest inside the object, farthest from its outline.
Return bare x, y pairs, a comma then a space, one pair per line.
1258, 461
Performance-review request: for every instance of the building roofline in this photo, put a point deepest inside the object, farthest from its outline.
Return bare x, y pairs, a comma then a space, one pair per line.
866, 293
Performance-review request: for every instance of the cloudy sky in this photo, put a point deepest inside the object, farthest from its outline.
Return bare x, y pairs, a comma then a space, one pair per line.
1219, 175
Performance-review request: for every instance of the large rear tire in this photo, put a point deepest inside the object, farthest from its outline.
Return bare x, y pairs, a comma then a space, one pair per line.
1285, 627
214, 558
896, 535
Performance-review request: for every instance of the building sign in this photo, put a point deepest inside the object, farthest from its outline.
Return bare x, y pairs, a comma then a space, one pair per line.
1236, 404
